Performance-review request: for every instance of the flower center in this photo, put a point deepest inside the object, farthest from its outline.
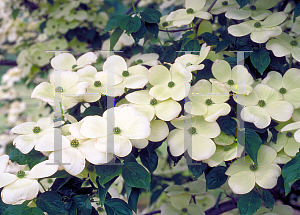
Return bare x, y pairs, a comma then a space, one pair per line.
20, 174
117, 130
125, 73
139, 61
59, 89
224, 3
282, 90
252, 7
36, 129
253, 167
230, 82
208, 102
97, 84
171, 84
164, 24
153, 102
293, 43
184, 210
187, 189
190, 11
227, 148
192, 130
257, 25
261, 103
289, 134
74, 143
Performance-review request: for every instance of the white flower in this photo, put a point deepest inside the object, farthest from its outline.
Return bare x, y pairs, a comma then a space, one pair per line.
149, 59
287, 142
293, 126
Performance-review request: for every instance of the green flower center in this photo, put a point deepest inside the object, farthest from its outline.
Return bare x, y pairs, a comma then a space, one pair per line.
59, 89
125, 73
39, 58
253, 167
282, 90
74, 143
208, 102
20, 174
224, 3
257, 25
97, 84
153, 102
261, 103
289, 134
192, 130
252, 7
184, 210
187, 189
230, 82
293, 43
227, 148
164, 24
117, 130
171, 84
139, 61
36, 129
190, 11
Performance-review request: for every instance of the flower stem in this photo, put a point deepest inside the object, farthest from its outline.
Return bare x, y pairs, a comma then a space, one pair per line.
133, 7
42, 186
194, 29
171, 40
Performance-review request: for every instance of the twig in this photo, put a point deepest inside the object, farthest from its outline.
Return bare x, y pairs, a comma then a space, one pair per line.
173, 31
130, 9
8, 63
223, 207
153, 212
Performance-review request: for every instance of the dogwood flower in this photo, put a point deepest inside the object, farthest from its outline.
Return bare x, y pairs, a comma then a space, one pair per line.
186, 16
148, 106
180, 207
286, 141
201, 146
244, 174
149, 59
207, 100
24, 185
277, 210
223, 6
260, 31
31, 132
293, 126
188, 189
288, 85
237, 79
263, 104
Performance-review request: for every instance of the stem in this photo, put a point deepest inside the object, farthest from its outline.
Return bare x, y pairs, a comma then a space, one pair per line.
173, 31
130, 9
153, 212
194, 29
171, 40
290, 62
159, 41
133, 6
42, 186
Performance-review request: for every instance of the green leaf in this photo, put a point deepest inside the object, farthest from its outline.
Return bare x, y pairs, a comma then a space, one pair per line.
107, 172
169, 54
17, 156
210, 38
216, 177
117, 207
15, 13
102, 191
296, 12
51, 203
152, 28
115, 37
32, 158
268, 198
92, 110
113, 22
252, 144
51, 2
291, 173
223, 45
151, 15
260, 59
192, 45
135, 175
133, 198
149, 160
15, 210
249, 203
83, 204
130, 24
3, 206
197, 169
227, 124
140, 33
242, 3
32, 211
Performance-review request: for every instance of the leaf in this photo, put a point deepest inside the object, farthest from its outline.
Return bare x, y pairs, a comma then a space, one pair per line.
260, 60
151, 15
149, 159
115, 37
133, 198
169, 54
210, 38
43, 26
152, 28
130, 24
66, 186
32, 211
113, 22
249, 203
51, 203
32, 158
3, 206
291, 173
135, 175
252, 144
223, 45
83, 204
197, 169
91, 111
107, 172
102, 191
51, 2
140, 33
296, 12
268, 198
216, 177
117, 207
242, 3
17, 156
15, 13
192, 45
14, 210
227, 125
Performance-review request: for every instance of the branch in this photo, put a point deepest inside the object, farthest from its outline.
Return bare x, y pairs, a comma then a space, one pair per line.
153, 212
8, 63
131, 8
173, 31
223, 207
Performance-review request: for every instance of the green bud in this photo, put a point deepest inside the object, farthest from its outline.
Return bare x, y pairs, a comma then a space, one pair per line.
192, 130
117, 130
97, 84
257, 25
261, 103
208, 102
289, 134
294, 43
230, 82
282, 90
153, 102
20, 174
253, 167
125, 73
74, 143
189, 11
171, 84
